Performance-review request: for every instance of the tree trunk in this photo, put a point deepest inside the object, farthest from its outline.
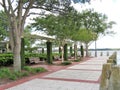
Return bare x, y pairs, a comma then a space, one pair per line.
71, 51
22, 53
75, 51
11, 39
86, 45
82, 51
62, 53
16, 52
42, 50
16, 39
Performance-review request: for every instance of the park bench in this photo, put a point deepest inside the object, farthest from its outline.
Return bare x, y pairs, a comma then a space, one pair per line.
34, 60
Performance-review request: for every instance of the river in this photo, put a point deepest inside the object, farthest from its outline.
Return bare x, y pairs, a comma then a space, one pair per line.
106, 53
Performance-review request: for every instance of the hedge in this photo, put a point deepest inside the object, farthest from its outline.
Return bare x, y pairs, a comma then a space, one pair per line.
7, 59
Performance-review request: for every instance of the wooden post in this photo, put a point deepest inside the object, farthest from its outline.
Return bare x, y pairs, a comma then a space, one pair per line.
106, 72
115, 78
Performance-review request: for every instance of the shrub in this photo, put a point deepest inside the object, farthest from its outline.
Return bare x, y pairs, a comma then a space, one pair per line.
76, 60
66, 63
6, 73
40, 69
34, 70
12, 77
27, 68
18, 74
7, 58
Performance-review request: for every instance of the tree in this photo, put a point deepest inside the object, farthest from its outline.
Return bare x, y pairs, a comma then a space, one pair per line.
85, 37
97, 23
93, 24
61, 26
17, 12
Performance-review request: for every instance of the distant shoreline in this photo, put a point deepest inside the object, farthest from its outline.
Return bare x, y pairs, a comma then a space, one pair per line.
104, 49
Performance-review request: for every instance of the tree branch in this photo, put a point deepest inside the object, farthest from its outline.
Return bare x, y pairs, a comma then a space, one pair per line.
4, 5
15, 8
11, 8
28, 9
48, 8
26, 12
1, 4
19, 15
33, 13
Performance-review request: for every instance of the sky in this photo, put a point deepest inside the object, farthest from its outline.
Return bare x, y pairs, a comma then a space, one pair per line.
111, 9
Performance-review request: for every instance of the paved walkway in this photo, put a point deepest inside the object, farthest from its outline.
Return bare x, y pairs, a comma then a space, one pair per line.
83, 76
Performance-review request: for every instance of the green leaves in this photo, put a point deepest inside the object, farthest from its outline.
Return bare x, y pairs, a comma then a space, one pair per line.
84, 36
85, 26
3, 25
61, 26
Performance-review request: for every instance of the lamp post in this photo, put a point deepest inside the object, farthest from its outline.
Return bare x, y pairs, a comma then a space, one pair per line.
95, 48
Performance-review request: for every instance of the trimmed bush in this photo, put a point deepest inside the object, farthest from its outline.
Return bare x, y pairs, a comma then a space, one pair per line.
6, 59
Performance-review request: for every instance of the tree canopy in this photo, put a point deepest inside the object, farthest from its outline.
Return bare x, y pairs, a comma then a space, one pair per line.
60, 26
85, 36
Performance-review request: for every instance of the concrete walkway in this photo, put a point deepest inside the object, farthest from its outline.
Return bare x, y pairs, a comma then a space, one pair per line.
83, 76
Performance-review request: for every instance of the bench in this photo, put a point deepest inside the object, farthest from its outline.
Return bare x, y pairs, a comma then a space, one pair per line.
34, 60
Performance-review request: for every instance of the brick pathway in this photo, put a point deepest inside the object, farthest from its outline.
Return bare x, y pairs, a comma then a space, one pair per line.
82, 76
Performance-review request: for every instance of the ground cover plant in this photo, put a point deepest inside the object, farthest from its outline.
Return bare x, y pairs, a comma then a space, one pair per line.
66, 63
8, 74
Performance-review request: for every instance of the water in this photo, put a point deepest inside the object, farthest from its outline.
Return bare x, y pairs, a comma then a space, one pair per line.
105, 53
118, 57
